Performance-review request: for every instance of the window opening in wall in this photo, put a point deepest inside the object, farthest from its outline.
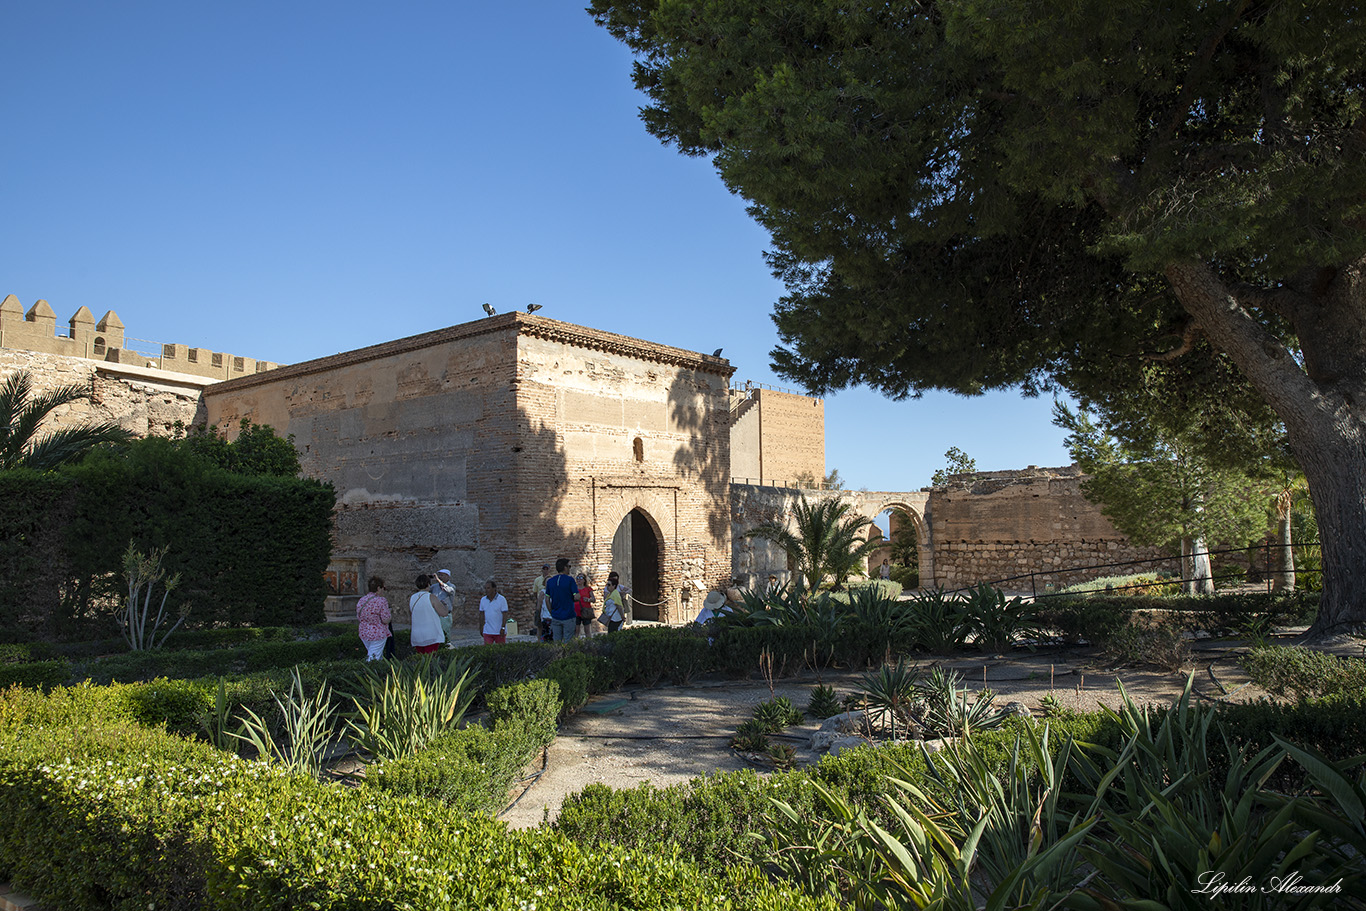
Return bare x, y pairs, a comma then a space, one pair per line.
638, 447
238, 364
192, 355
217, 360
168, 351
99, 345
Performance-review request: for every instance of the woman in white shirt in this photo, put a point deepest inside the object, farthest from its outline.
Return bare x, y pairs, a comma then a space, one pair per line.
427, 612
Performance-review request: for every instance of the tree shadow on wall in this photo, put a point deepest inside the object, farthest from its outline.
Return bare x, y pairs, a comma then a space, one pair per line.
705, 457
541, 532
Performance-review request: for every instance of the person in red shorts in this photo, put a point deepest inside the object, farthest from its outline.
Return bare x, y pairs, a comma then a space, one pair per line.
494, 607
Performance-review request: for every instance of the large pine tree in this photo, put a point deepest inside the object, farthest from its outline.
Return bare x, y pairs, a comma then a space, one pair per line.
989, 193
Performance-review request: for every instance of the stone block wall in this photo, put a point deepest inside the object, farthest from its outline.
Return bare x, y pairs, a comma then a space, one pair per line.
992, 526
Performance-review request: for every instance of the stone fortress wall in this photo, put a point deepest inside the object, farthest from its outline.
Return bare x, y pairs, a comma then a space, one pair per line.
493, 447
36, 330
146, 394
1002, 524
987, 526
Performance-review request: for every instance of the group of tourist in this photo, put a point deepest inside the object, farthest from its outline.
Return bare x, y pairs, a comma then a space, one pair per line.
567, 603
432, 608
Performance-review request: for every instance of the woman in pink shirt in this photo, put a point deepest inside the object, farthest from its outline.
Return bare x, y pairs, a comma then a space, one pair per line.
372, 611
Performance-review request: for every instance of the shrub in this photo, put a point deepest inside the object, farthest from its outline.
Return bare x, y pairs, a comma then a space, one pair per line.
1133, 585
908, 577
1090, 620
1163, 645
648, 655
38, 674
573, 674
1304, 673
473, 769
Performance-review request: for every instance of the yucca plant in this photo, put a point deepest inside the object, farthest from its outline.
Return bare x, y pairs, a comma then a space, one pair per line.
889, 694
405, 706
308, 728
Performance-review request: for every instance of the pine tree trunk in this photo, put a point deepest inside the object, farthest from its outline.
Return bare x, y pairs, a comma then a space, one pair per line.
1320, 395
1196, 577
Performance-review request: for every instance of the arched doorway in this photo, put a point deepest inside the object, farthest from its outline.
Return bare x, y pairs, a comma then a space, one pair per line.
905, 547
636, 553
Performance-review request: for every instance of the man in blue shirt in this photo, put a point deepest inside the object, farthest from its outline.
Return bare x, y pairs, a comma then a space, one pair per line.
562, 591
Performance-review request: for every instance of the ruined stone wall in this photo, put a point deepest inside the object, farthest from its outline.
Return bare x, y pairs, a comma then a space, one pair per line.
997, 525
776, 436
144, 401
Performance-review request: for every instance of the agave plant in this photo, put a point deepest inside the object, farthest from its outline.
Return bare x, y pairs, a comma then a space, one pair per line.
938, 621
995, 622
1173, 826
952, 710
777, 714
406, 705
889, 694
823, 702
978, 839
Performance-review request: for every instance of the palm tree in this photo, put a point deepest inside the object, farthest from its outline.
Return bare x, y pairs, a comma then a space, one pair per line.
21, 413
826, 542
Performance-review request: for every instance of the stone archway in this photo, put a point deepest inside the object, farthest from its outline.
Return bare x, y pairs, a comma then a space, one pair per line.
875, 504
638, 557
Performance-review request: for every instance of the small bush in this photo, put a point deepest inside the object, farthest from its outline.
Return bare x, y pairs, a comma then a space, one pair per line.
651, 654
36, 674
908, 577
1164, 646
572, 674
1089, 620
1304, 673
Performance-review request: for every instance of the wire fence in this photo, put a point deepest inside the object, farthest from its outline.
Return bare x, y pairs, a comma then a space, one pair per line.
1171, 571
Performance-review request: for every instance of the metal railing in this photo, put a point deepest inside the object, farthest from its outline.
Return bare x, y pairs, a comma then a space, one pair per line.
789, 483
1050, 590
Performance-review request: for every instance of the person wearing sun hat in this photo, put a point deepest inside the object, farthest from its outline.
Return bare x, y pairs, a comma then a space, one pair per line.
443, 591
712, 607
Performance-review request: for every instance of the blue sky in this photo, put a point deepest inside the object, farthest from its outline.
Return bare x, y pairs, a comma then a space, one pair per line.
289, 180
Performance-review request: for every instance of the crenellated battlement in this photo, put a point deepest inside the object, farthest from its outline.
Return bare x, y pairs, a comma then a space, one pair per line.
105, 340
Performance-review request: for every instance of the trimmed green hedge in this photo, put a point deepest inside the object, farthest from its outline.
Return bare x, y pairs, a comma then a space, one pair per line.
113, 815
1304, 673
251, 549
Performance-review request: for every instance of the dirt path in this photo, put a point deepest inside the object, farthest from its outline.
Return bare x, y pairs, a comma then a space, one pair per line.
667, 735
